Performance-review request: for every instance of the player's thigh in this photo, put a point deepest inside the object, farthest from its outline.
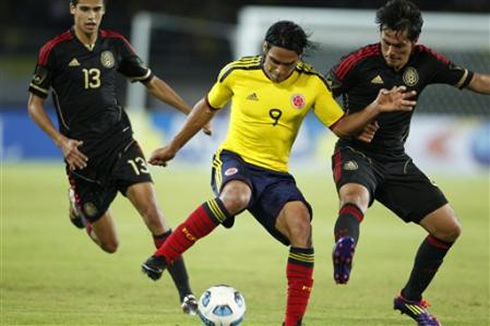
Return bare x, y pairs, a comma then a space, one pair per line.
355, 176
279, 189
409, 193
105, 230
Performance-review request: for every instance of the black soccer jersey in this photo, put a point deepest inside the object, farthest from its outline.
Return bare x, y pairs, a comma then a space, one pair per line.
360, 75
83, 82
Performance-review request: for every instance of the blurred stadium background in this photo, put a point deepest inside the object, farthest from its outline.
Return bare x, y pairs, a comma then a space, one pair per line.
51, 275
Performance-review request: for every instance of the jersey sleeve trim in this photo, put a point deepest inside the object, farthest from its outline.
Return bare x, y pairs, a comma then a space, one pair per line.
465, 79
332, 126
41, 92
144, 79
208, 104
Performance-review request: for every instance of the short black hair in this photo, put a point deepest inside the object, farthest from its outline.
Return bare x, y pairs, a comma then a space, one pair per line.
288, 35
401, 15
75, 2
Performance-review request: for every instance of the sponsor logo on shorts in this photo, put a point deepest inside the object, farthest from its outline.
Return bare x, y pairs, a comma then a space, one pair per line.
298, 101
231, 171
90, 209
351, 166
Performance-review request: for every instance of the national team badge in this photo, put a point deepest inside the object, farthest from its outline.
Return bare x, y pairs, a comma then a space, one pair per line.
40, 76
350, 166
231, 171
107, 59
298, 101
410, 76
90, 209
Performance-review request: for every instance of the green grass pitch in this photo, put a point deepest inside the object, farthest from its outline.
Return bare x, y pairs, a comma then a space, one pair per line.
51, 274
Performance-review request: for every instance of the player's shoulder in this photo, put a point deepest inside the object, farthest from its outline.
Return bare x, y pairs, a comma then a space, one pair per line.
111, 34
425, 52
355, 58
243, 64
56, 41
307, 69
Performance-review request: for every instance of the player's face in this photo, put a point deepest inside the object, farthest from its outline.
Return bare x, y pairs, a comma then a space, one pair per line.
279, 63
88, 15
396, 48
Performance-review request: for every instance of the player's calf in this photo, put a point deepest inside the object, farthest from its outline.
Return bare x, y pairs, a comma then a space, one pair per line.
342, 256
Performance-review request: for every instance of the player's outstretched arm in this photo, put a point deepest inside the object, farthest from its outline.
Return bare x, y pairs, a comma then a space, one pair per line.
395, 99
162, 91
200, 115
75, 158
480, 83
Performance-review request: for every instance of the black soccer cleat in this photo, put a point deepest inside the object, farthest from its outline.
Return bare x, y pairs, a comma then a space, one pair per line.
154, 266
76, 216
189, 304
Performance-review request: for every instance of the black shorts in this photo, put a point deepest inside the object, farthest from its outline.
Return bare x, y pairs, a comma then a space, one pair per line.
97, 186
271, 190
397, 183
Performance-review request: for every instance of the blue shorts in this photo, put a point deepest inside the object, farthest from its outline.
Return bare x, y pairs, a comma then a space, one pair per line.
271, 190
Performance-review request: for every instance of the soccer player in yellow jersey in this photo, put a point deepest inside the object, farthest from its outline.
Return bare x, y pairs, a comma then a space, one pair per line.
271, 94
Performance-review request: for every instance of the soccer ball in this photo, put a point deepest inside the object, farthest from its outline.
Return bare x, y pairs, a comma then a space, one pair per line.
221, 305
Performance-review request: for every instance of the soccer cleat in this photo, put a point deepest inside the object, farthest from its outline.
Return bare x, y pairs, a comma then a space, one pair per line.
342, 255
76, 216
417, 310
154, 266
298, 323
189, 304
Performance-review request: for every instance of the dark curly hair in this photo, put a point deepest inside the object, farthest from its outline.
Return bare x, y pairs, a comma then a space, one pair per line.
288, 35
400, 15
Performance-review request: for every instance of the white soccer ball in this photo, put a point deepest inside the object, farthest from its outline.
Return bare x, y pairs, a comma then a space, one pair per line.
221, 305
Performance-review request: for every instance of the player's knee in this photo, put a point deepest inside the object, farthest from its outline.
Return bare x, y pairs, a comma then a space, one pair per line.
236, 198
356, 197
450, 232
109, 246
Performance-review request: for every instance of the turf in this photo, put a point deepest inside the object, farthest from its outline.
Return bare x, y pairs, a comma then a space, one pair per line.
51, 274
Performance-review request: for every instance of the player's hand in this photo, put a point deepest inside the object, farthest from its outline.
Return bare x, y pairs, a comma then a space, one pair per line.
395, 99
73, 156
369, 131
161, 156
207, 129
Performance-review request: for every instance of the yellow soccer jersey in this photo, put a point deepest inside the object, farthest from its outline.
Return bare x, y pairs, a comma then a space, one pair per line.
266, 116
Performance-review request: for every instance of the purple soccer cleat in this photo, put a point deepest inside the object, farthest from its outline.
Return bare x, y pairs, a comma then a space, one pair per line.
342, 255
417, 310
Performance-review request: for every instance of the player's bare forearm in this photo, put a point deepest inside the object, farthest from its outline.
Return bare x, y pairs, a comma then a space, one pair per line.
480, 83
69, 147
396, 99
199, 116
35, 108
162, 91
